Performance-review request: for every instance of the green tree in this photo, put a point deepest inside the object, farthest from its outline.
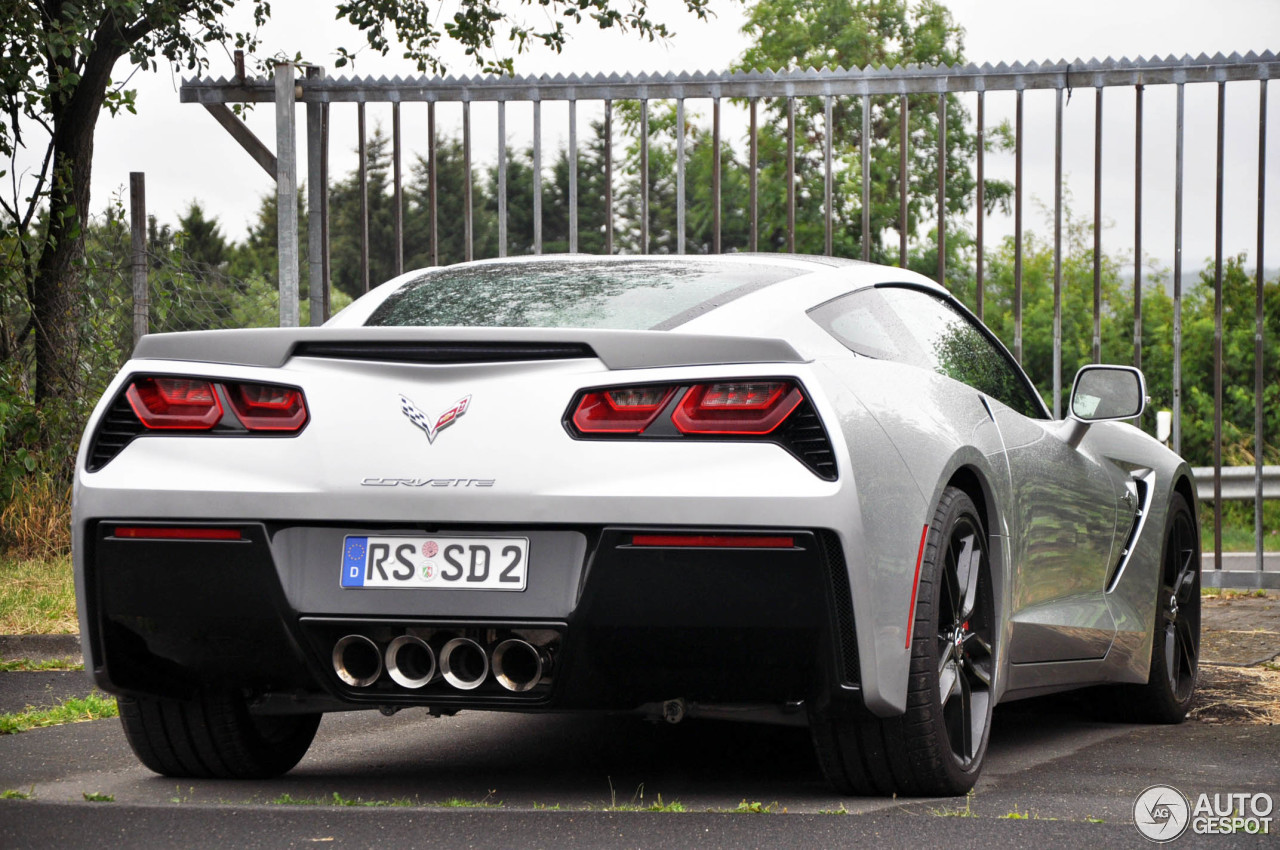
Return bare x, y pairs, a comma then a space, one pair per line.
57, 77
802, 34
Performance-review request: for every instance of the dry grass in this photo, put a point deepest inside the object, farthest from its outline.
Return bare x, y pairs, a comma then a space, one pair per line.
36, 523
37, 596
1237, 695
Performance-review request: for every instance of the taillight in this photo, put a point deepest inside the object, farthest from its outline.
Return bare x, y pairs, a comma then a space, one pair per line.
265, 407
175, 403
626, 410
738, 407
165, 403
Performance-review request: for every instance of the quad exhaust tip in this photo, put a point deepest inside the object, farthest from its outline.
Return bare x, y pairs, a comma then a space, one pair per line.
464, 664
357, 661
410, 662
519, 665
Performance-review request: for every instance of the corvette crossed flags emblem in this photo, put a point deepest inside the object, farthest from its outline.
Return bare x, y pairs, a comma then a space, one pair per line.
417, 417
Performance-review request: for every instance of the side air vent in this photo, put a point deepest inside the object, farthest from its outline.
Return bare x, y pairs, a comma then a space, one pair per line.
803, 435
116, 430
444, 352
1142, 493
842, 604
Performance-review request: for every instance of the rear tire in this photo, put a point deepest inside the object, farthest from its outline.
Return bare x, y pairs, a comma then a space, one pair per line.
1175, 641
213, 736
937, 746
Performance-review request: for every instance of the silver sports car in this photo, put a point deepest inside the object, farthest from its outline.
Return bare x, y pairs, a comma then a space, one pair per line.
791, 489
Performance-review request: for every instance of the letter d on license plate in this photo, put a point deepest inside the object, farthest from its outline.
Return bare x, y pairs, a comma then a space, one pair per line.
435, 563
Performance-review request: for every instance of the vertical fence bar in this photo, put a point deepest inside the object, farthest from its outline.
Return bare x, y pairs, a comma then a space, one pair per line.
865, 142
468, 223
644, 176
138, 251
364, 199
754, 190
791, 174
1057, 256
537, 177
1177, 274
324, 210
573, 177
1259, 328
1017, 230
982, 207
680, 175
826, 175
398, 191
608, 176
1097, 226
942, 188
317, 188
1217, 333
904, 179
431, 183
715, 176
1137, 233
502, 178
287, 195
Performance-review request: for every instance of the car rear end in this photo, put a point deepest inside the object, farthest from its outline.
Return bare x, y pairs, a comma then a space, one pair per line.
507, 519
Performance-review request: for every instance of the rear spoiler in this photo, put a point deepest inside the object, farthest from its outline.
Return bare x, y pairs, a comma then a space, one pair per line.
273, 347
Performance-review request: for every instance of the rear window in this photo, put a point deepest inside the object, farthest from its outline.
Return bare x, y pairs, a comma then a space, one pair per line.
619, 295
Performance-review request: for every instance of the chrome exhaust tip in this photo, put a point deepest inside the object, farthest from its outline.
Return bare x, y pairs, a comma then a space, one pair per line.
519, 665
464, 664
410, 662
357, 661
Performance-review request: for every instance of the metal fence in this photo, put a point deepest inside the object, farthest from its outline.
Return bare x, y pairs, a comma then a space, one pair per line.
905, 85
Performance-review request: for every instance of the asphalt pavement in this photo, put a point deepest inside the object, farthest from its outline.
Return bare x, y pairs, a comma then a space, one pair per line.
1053, 777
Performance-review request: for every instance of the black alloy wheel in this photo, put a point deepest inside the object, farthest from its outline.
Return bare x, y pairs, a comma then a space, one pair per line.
937, 746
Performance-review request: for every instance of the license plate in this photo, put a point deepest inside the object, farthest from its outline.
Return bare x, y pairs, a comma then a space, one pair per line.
435, 563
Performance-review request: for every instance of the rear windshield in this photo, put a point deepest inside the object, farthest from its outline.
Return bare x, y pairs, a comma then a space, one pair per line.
619, 295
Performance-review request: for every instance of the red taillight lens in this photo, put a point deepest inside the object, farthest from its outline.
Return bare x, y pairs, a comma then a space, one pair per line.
626, 410
266, 407
713, 541
737, 407
175, 403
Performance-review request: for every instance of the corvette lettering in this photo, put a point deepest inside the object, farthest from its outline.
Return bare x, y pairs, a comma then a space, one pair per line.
427, 482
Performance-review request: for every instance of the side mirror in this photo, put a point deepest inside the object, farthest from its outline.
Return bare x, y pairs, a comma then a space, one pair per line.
1103, 394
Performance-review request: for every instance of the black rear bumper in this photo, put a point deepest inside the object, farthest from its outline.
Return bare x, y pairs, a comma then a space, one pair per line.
708, 624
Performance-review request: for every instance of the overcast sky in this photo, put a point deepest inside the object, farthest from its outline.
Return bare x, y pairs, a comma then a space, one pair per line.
187, 156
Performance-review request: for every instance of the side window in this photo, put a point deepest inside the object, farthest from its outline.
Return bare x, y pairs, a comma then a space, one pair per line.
914, 327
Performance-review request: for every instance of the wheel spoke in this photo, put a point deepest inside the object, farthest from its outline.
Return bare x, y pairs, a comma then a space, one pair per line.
1170, 655
948, 683
973, 556
966, 719
977, 672
1187, 646
948, 649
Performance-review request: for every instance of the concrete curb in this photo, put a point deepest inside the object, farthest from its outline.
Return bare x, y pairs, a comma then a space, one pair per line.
41, 647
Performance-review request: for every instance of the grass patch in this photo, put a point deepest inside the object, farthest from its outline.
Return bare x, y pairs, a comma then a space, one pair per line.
757, 808
74, 710
37, 597
462, 803
36, 522
26, 665
336, 800
95, 797
12, 794
966, 812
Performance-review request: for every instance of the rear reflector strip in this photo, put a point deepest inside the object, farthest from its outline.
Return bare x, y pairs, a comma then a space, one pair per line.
915, 585
712, 541
170, 533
